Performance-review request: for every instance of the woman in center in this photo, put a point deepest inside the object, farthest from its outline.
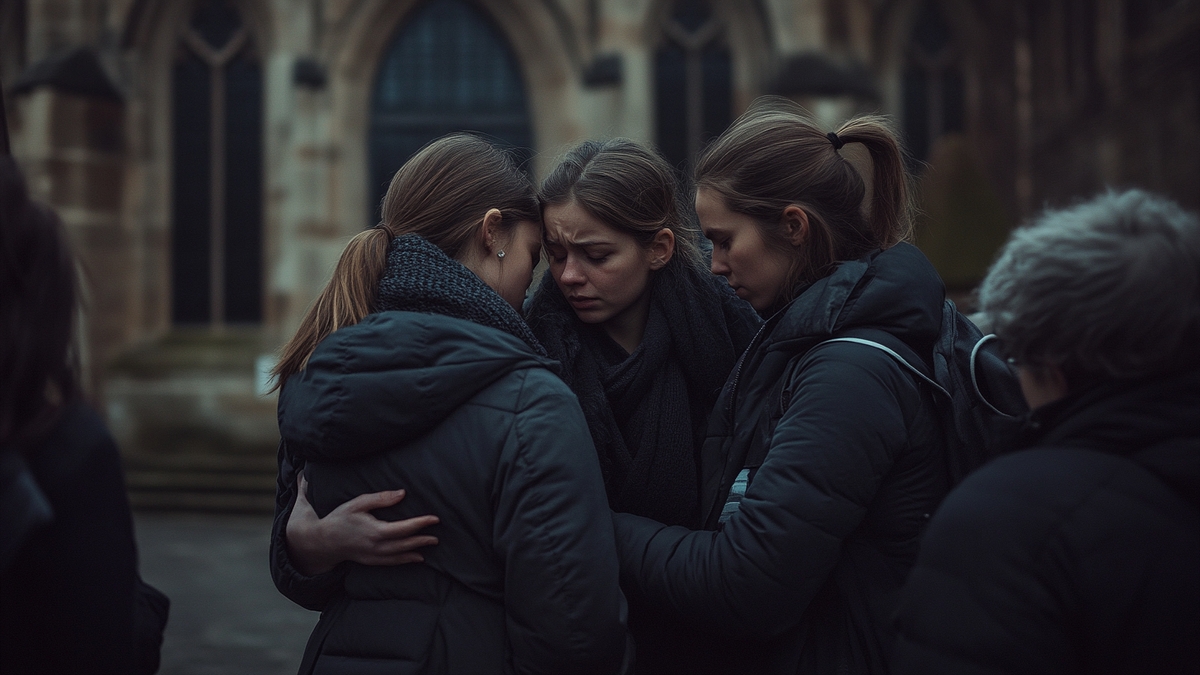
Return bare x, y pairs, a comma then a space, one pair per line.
646, 337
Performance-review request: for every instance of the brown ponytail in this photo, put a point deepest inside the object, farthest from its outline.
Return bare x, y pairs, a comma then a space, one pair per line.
776, 156
345, 300
442, 194
890, 209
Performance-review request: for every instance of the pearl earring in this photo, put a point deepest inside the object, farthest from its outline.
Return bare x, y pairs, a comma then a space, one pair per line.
500, 253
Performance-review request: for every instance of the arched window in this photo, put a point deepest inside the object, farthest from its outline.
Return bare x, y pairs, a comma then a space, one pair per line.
694, 81
447, 69
217, 230
933, 83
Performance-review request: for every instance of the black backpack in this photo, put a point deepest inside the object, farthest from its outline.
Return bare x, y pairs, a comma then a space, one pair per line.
979, 397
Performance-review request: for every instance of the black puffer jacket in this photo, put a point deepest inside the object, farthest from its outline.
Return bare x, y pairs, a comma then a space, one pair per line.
844, 459
486, 437
471, 420
1081, 555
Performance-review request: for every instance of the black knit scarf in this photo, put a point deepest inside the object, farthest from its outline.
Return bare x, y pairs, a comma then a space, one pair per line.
421, 278
647, 411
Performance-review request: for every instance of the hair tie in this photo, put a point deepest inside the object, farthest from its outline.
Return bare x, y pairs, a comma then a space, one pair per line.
386, 231
837, 142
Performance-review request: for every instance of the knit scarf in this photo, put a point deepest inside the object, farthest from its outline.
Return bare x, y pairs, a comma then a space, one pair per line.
648, 411
421, 278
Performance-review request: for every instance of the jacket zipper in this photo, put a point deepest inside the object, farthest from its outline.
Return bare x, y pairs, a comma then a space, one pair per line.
737, 373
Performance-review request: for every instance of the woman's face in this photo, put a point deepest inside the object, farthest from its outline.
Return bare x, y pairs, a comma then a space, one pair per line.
756, 271
601, 271
514, 271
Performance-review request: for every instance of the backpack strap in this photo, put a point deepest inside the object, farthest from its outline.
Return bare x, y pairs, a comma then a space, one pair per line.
892, 353
975, 376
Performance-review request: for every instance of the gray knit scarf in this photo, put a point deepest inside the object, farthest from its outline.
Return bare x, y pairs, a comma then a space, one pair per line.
421, 278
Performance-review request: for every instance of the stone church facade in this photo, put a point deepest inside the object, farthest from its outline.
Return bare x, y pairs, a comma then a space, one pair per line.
211, 157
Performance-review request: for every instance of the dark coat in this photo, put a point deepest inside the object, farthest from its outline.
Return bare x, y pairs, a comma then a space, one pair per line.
846, 462
1080, 555
648, 413
67, 599
481, 432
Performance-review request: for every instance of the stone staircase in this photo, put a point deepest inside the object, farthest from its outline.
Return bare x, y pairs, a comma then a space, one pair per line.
202, 482
194, 431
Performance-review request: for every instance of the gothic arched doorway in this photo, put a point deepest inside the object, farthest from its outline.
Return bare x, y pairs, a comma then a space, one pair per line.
217, 193
448, 69
693, 72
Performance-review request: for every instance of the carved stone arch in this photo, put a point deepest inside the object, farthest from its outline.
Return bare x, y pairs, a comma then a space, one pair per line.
150, 35
548, 61
969, 34
749, 37
735, 35
961, 220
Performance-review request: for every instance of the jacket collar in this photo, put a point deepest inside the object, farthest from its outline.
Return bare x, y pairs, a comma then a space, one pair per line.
896, 290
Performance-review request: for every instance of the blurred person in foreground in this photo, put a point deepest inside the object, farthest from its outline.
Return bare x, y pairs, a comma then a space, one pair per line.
70, 597
1082, 553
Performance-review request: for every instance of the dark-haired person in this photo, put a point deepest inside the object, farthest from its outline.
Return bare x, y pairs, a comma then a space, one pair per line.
69, 588
1080, 554
413, 367
822, 460
646, 337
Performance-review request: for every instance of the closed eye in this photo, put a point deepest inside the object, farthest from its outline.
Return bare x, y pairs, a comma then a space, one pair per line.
555, 253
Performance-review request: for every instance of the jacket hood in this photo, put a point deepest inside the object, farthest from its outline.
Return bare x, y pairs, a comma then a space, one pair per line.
389, 379
896, 290
1154, 421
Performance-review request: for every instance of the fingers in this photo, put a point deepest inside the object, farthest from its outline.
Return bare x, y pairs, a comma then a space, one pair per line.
406, 527
374, 500
398, 559
405, 545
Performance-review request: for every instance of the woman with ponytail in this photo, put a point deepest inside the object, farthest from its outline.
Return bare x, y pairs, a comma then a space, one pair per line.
823, 459
646, 337
413, 367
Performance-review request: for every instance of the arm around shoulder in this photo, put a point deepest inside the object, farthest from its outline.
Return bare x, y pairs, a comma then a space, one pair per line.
310, 592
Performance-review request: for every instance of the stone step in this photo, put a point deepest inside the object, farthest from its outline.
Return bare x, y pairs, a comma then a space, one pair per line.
186, 500
213, 483
207, 461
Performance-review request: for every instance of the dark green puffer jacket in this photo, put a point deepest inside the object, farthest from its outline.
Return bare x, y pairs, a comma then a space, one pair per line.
481, 433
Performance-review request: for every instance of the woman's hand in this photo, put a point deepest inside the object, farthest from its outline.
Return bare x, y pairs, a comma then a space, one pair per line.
350, 532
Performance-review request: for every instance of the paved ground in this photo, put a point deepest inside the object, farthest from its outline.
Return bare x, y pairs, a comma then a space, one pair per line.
226, 616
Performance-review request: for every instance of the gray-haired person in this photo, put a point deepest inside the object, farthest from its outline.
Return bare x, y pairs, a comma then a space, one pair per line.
1080, 554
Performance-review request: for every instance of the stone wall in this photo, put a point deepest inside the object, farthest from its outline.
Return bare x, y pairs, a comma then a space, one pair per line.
1061, 98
